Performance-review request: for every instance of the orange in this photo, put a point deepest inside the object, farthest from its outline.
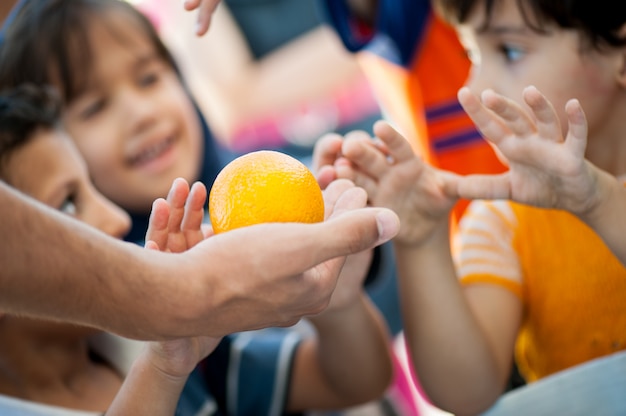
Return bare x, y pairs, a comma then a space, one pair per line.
264, 186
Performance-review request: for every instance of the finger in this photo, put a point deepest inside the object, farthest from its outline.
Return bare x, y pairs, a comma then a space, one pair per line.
513, 116
325, 175
194, 214
577, 128
369, 185
361, 152
484, 119
333, 192
352, 198
204, 16
151, 245
191, 4
344, 169
176, 199
547, 121
290, 249
484, 186
396, 145
326, 151
360, 229
157, 224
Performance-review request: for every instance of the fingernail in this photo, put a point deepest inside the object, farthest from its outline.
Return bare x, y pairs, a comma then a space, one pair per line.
388, 225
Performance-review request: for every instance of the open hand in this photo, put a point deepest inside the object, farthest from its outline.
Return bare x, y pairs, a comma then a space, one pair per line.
546, 169
176, 222
395, 178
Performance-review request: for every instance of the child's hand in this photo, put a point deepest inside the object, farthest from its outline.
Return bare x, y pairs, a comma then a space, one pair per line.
394, 177
545, 169
175, 226
176, 223
206, 9
328, 163
350, 283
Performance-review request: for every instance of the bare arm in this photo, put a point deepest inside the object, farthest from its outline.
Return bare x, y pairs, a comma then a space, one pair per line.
158, 376
234, 89
266, 275
451, 335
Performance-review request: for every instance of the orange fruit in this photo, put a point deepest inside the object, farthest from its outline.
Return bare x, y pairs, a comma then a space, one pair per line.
264, 186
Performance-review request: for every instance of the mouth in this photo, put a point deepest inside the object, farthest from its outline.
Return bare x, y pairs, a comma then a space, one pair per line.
152, 153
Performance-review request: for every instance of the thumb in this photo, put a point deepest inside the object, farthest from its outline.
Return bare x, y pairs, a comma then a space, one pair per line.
357, 230
485, 186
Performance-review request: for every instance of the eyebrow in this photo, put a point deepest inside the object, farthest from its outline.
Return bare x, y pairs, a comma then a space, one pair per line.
503, 30
146, 59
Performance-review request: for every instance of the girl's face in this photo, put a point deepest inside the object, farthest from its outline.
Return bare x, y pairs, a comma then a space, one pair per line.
50, 168
135, 124
509, 56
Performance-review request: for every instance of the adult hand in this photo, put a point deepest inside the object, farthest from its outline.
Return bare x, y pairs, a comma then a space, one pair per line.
253, 277
205, 11
264, 275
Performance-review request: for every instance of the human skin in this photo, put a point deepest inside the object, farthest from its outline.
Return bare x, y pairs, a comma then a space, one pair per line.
477, 326
543, 171
135, 124
268, 275
551, 166
328, 372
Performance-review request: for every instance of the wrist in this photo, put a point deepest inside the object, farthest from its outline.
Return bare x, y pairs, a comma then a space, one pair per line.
338, 318
607, 189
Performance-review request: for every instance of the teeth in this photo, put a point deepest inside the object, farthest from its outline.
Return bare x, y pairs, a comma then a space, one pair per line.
152, 152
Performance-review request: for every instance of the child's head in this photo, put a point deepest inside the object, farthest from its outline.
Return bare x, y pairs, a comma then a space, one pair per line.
567, 48
124, 103
38, 158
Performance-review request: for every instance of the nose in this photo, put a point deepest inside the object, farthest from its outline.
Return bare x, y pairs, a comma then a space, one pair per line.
108, 217
137, 109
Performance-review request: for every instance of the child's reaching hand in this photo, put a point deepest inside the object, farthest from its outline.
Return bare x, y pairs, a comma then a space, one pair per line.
545, 168
176, 223
175, 226
394, 177
159, 374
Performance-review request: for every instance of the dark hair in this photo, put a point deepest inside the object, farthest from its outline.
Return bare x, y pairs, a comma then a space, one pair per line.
23, 110
47, 42
600, 21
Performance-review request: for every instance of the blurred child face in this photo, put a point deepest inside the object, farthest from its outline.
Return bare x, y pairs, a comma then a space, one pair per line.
50, 169
135, 124
509, 56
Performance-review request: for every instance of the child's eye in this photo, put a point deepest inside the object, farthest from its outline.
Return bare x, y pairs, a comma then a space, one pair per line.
511, 53
69, 206
92, 109
149, 79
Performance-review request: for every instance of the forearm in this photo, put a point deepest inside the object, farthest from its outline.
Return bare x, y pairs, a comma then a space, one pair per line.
608, 217
56, 267
147, 390
352, 357
449, 351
